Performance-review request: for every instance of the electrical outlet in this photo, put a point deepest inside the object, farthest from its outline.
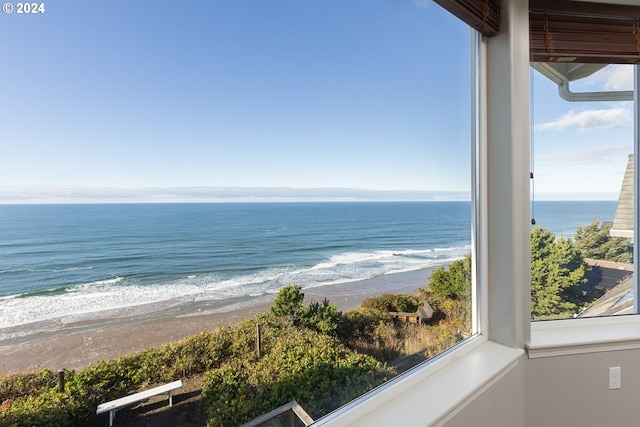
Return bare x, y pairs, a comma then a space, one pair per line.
615, 380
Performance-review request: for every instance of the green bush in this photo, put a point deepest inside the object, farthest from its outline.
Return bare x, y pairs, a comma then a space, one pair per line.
322, 317
303, 365
48, 408
34, 400
454, 283
360, 324
288, 302
404, 303
13, 386
303, 360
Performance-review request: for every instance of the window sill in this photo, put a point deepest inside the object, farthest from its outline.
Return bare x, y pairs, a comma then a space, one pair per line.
439, 388
587, 335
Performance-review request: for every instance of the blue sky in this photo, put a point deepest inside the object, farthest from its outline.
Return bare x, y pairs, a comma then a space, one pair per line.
580, 149
198, 100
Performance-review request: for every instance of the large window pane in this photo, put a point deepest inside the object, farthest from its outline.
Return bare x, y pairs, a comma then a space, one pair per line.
293, 178
582, 206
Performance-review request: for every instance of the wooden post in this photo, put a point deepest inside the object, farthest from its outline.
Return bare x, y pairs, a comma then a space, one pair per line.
258, 349
61, 380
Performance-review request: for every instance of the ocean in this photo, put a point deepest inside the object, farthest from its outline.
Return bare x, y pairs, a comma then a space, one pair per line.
75, 263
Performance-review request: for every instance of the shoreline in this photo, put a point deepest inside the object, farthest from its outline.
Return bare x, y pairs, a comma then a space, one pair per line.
75, 346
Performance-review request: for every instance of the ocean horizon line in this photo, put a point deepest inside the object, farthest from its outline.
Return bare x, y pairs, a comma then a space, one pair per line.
213, 194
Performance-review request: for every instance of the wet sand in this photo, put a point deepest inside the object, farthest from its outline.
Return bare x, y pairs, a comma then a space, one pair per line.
75, 346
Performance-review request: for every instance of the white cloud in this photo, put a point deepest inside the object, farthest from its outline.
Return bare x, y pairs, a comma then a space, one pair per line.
597, 155
612, 78
589, 120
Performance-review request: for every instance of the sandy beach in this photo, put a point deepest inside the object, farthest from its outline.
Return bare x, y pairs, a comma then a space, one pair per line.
74, 346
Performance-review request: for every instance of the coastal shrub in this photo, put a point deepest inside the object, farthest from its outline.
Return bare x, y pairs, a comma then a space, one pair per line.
193, 355
47, 408
322, 359
360, 324
34, 400
288, 302
404, 303
106, 380
370, 331
16, 385
452, 283
312, 368
102, 381
322, 317
243, 335
391, 343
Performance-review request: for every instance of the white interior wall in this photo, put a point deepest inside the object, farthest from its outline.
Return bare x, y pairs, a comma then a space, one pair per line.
567, 391
573, 390
501, 405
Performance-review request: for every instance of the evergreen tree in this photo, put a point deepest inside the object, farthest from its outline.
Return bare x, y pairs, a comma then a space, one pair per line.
454, 283
595, 242
322, 317
288, 302
557, 270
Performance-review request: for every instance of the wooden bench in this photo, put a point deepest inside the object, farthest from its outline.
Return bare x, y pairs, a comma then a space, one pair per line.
120, 403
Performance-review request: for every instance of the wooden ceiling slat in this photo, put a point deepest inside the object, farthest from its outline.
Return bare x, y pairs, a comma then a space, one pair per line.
582, 8
482, 15
564, 30
573, 31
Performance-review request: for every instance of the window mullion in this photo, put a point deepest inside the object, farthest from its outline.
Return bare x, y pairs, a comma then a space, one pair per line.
636, 185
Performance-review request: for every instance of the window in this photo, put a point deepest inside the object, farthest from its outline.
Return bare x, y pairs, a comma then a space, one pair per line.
193, 168
582, 185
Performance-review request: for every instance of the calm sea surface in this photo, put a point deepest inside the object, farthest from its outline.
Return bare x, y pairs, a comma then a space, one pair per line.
84, 262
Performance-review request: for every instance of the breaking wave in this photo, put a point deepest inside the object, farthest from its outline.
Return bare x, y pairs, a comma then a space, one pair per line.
120, 296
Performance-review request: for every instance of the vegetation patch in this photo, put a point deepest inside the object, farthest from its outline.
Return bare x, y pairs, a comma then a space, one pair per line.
310, 367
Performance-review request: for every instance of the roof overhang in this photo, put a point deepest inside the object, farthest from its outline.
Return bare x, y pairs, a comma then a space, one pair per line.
563, 73
584, 32
571, 40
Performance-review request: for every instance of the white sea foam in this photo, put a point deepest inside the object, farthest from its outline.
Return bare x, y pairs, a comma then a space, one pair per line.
97, 284
118, 296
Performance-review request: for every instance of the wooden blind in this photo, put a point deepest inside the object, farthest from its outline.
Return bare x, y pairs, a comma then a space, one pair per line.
482, 15
584, 32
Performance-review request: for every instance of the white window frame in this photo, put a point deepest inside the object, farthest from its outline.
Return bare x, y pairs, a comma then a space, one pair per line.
422, 386
444, 386
595, 334
636, 184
